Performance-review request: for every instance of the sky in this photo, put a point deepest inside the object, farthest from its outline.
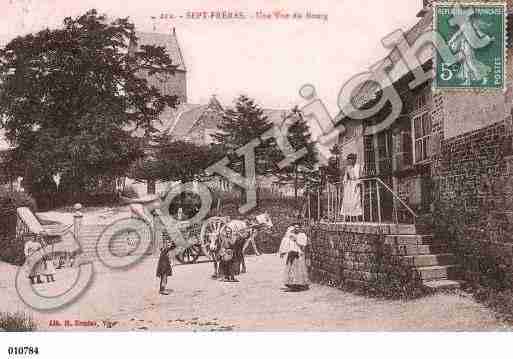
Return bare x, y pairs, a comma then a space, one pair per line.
266, 59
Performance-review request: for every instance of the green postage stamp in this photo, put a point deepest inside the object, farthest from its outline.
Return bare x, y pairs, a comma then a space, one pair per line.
475, 34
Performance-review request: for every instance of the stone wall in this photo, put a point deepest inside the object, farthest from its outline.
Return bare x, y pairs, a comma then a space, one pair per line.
473, 178
467, 163
357, 255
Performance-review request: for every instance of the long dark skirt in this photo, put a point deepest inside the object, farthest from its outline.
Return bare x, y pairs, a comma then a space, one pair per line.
164, 265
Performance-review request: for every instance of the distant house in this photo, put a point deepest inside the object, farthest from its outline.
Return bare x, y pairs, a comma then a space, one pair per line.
196, 123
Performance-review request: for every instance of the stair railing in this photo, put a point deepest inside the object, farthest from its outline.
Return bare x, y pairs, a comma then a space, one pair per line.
379, 203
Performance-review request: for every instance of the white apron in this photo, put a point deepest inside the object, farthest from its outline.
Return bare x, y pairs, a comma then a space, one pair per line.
352, 201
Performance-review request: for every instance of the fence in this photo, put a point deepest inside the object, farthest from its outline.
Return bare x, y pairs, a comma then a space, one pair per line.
379, 203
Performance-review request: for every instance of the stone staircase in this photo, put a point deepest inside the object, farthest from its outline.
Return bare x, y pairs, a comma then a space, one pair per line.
122, 242
429, 257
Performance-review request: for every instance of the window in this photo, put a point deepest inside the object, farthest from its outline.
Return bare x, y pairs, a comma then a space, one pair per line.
385, 152
404, 154
369, 156
420, 102
421, 136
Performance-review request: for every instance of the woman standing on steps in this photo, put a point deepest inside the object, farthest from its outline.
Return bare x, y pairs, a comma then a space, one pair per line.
352, 201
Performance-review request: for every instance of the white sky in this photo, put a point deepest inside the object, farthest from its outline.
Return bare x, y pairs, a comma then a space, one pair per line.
268, 60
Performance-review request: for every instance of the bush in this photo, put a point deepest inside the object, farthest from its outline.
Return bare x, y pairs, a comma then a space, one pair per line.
12, 251
17, 322
500, 301
18, 199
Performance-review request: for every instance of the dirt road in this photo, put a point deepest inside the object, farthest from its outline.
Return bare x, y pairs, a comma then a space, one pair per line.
129, 300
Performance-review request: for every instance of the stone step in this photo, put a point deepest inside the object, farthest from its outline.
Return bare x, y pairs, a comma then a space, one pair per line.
409, 229
427, 260
438, 272
374, 227
442, 284
409, 250
408, 239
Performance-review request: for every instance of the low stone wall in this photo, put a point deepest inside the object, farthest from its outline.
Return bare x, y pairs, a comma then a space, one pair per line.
358, 255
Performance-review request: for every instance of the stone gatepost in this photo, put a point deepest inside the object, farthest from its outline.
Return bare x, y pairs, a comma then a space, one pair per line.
77, 220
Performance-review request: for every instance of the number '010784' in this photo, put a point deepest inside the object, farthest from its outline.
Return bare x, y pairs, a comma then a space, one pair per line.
23, 350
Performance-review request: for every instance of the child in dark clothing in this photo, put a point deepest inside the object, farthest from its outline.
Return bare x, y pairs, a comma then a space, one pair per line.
164, 268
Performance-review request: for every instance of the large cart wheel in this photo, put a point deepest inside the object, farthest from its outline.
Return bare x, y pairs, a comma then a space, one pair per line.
190, 254
210, 231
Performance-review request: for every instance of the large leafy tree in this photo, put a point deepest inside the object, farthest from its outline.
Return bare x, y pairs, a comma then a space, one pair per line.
70, 97
177, 160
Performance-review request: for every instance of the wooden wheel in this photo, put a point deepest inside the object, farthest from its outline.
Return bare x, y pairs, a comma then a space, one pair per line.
190, 254
210, 230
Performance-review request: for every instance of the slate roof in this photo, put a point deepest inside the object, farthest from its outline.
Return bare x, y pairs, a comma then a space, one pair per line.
186, 118
188, 115
398, 69
168, 41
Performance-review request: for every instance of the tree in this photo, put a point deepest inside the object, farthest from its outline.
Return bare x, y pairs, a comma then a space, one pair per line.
239, 126
68, 97
173, 160
299, 136
176, 160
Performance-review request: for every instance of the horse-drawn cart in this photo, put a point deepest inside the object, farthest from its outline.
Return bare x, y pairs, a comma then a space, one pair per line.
202, 238
199, 237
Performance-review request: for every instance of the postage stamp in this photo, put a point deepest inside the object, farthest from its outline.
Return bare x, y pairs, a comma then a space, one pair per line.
475, 33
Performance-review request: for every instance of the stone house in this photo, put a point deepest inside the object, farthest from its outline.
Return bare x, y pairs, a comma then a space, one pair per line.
441, 143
